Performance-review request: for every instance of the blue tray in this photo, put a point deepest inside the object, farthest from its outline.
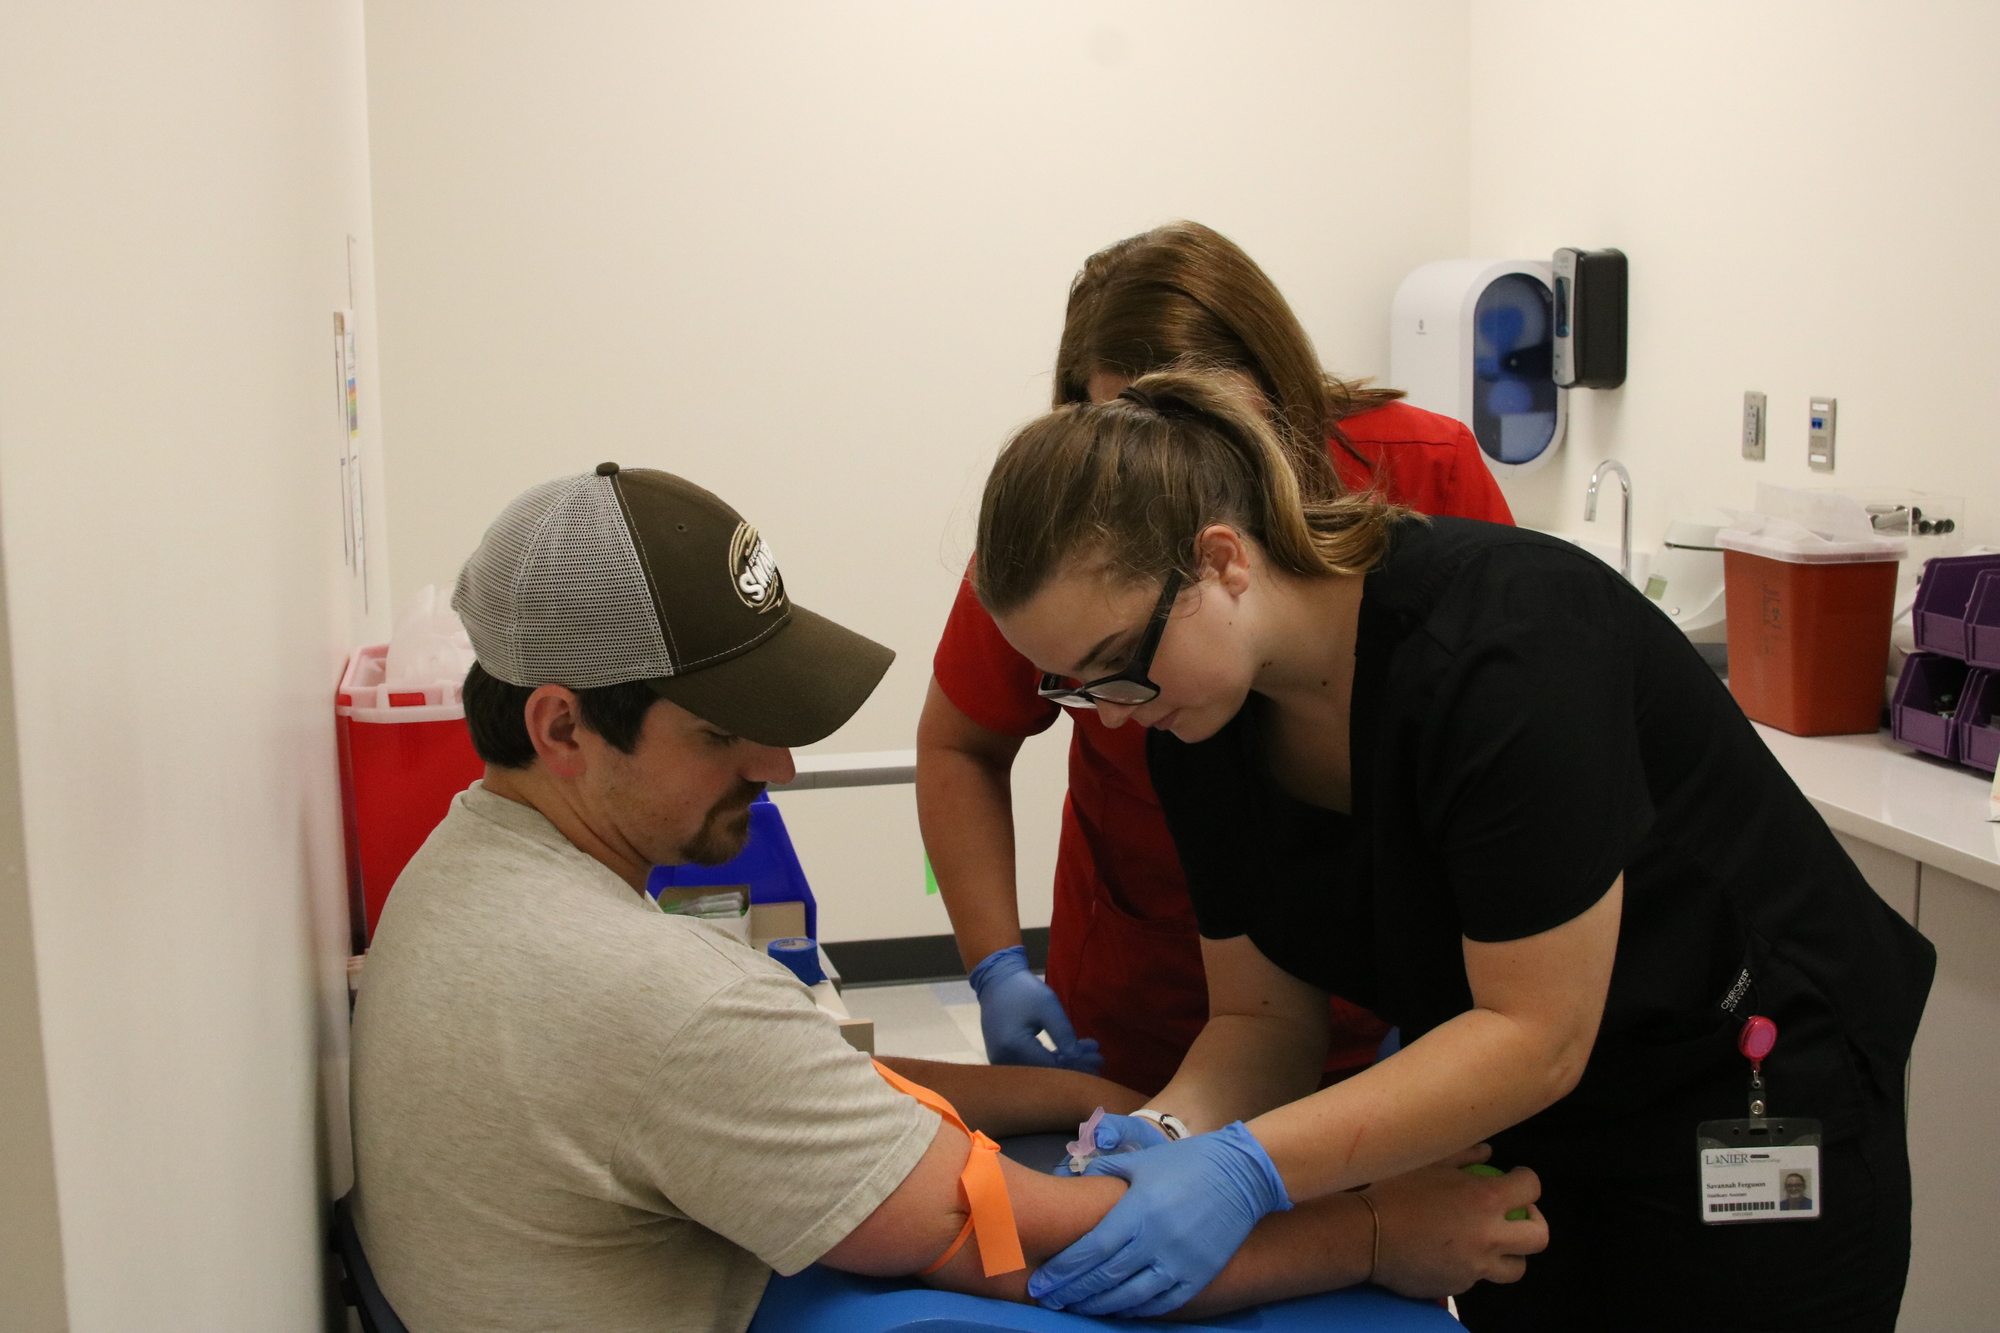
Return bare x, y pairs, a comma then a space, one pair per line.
822, 1300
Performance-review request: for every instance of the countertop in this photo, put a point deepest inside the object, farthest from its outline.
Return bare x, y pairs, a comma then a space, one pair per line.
1868, 787
1871, 788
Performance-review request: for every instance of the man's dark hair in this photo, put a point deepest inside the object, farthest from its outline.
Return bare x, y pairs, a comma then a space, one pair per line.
493, 714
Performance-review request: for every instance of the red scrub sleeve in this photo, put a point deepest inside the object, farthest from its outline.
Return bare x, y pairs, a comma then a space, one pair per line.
983, 676
1428, 462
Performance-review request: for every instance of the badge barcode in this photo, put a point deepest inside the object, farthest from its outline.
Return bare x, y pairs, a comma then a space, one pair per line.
1763, 1207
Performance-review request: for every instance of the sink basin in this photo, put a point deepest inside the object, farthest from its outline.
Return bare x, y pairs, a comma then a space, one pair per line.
1608, 553
1688, 591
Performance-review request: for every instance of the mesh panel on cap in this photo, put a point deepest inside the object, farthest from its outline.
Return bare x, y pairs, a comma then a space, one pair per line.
556, 595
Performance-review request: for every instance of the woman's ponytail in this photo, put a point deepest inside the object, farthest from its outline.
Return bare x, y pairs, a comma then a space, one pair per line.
1127, 485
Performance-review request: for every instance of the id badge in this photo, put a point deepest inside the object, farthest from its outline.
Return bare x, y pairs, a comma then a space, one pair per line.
1759, 1170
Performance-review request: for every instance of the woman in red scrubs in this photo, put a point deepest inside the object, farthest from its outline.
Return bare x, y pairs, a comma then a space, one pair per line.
1125, 988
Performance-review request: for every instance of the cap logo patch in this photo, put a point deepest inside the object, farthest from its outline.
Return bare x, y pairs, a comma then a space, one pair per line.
754, 571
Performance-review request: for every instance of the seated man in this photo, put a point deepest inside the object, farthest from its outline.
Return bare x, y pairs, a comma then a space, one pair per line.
572, 1110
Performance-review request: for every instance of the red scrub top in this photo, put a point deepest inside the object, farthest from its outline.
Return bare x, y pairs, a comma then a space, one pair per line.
1124, 954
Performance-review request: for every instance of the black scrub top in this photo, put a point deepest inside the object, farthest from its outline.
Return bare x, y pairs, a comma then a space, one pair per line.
1526, 725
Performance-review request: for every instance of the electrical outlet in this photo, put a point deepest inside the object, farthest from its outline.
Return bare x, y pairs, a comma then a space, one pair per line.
1819, 434
1753, 425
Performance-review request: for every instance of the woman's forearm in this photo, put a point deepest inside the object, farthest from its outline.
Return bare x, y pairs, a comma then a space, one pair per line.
1477, 1074
1538, 1002
965, 814
1240, 1067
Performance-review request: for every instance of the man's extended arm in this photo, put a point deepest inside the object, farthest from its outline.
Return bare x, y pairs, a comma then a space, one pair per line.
1004, 1100
1441, 1229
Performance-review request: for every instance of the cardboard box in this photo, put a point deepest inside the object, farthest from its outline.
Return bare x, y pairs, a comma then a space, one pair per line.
776, 921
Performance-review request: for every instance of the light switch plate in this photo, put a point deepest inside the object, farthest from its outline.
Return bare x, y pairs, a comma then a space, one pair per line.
1819, 434
1753, 425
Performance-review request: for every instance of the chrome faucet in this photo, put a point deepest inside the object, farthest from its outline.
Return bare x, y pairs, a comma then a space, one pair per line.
1624, 510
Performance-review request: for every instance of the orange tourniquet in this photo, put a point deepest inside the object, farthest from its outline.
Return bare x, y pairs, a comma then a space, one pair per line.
988, 1211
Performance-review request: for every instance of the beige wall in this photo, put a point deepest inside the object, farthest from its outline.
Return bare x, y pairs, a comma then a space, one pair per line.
31, 1274
181, 181
1806, 193
815, 256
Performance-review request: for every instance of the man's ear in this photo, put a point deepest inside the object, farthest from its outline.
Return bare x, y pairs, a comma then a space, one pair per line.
1222, 551
554, 719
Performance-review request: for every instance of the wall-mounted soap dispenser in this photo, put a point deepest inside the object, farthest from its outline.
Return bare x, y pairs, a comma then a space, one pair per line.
1590, 318
1475, 339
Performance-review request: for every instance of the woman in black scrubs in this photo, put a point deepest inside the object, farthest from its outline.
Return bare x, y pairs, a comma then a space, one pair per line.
1466, 776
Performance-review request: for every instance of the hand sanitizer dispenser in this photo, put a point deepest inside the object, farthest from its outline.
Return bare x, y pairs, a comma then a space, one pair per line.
1475, 339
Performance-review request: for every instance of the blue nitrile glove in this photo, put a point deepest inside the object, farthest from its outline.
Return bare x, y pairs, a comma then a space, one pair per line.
1014, 1005
1191, 1204
1114, 1134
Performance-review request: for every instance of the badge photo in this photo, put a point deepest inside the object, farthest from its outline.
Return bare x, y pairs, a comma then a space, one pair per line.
1759, 1170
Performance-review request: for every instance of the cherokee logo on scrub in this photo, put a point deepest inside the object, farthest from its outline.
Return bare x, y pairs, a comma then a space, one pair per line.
754, 571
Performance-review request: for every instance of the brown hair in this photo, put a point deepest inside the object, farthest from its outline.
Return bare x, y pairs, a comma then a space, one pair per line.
1186, 292
495, 716
1128, 485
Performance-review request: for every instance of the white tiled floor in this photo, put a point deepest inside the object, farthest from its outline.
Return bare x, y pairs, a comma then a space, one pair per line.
935, 1020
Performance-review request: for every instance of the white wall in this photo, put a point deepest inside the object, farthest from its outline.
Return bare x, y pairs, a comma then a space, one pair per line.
1807, 196
181, 181
814, 256
31, 1258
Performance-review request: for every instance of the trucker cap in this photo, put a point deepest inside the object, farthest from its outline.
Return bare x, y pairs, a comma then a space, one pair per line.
637, 575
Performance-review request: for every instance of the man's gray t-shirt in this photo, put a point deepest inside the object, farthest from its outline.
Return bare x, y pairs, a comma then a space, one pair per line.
574, 1111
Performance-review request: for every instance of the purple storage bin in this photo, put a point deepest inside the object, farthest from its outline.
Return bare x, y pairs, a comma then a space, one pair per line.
1982, 621
1978, 729
1928, 680
1938, 615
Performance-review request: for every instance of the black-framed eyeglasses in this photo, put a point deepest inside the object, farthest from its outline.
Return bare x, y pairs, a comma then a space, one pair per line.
1132, 686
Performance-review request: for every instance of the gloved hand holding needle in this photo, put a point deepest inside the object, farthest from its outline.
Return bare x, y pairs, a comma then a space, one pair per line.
1016, 1006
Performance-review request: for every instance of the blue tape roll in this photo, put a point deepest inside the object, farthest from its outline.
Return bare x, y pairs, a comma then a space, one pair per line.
801, 955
